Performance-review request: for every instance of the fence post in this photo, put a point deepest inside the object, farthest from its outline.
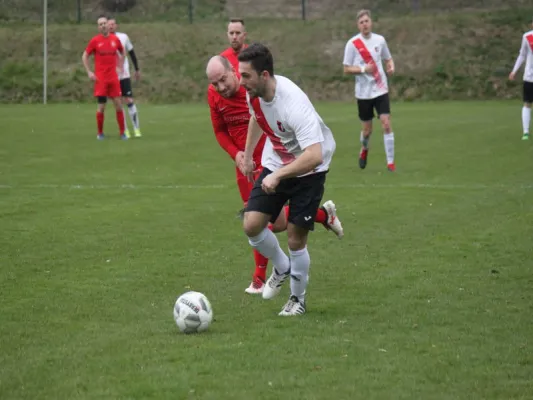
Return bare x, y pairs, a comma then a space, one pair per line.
303, 9
416, 5
191, 5
78, 11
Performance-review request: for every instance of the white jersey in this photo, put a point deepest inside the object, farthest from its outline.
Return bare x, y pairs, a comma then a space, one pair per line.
526, 53
291, 124
360, 51
126, 43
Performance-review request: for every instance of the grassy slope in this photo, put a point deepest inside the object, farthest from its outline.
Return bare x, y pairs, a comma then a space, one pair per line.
438, 56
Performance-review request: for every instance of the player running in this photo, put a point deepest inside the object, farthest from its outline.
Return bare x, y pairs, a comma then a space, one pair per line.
230, 117
236, 36
125, 78
296, 158
526, 53
106, 84
363, 57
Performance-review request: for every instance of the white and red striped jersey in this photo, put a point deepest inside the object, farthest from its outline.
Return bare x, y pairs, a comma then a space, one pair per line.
126, 43
526, 54
291, 124
360, 51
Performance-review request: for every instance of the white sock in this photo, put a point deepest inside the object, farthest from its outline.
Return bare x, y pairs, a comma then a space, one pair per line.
364, 140
132, 109
300, 262
267, 244
388, 141
125, 122
526, 118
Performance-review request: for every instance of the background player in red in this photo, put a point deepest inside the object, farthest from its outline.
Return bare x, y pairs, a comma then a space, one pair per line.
236, 37
105, 47
230, 117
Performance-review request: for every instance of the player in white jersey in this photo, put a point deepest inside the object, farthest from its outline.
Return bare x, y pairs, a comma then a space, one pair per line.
125, 79
364, 55
295, 160
526, 53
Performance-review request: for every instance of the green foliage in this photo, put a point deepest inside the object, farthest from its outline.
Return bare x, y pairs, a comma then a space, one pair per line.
441, 56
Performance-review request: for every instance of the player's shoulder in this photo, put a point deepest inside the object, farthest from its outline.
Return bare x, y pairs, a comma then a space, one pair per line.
227, 52
355, 37
288, 91
377, 37
212, 95
528, 33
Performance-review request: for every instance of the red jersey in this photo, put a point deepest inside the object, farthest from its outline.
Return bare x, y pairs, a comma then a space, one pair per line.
230, 118
105, 56
232, 56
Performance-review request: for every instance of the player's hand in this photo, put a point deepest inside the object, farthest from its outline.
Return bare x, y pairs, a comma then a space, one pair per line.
247, 168
91, 76
390, 69
137, 75
511, 76
270, 183
120, 69
370, 68
239, 159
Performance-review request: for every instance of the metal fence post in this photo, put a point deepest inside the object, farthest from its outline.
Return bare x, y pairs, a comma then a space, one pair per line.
303, 9
191, 5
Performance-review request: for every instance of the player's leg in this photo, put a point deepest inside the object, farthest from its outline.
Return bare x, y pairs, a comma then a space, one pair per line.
305, 201
526, 109
127, 92
366, 114
115, 94
123, 90
100, 108
261, 262
261, 209
99, 92
383, 109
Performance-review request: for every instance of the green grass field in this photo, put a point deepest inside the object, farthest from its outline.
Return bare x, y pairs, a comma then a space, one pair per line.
428, 296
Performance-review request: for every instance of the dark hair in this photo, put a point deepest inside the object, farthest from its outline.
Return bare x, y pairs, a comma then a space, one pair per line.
259, 56
232, 20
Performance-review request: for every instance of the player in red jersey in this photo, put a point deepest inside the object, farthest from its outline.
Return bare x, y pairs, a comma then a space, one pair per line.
105, 47
230, 117
236, 37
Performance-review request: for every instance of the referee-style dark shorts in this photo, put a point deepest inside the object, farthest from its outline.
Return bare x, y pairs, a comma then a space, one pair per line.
125, 87
366, 107
304, 195
528, 92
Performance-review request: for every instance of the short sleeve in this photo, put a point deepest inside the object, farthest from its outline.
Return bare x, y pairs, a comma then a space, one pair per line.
91, 47
129, 45
349, 54
385, 52
303, 120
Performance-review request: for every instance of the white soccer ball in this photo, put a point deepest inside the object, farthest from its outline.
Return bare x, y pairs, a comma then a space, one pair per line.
193, 312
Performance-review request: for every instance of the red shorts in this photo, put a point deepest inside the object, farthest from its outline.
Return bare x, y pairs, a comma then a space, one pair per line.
107, 88
245, 187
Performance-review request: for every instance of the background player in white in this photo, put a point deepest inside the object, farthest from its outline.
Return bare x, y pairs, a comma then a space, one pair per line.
125, 78
526, 53
363, 57
295, 160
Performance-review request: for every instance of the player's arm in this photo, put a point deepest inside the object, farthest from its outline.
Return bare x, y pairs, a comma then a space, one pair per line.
520, 59
304, 122
133, 56
252, 138
121, 53
387, 57
85, 60
221, 131
349, 57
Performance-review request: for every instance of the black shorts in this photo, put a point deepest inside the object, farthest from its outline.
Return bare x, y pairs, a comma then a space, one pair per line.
366, 107
125, 87
528, 92
303, 194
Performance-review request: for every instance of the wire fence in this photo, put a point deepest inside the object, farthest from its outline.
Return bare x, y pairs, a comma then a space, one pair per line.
182, 11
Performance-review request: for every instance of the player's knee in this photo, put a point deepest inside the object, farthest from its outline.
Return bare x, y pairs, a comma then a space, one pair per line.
385, 123
297, 238
527, 105
252, 226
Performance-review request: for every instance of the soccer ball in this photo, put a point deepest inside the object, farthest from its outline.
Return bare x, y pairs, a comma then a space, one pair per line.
193, 312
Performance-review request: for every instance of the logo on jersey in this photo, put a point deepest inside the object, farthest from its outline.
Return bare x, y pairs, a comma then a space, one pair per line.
377, 49
113, 44
281, 128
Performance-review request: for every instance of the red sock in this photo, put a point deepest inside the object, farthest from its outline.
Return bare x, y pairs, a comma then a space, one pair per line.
260, 266
321, 216
100, 122
120, 120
